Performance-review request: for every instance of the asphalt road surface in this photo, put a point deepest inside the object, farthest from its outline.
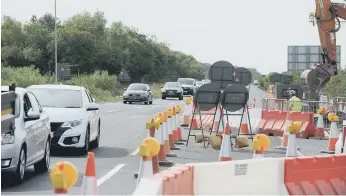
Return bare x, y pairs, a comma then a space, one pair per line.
123, 129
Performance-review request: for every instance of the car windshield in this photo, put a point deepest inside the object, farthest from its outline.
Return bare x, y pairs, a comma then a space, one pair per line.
58, 98
186, 81
172, 84
140, 87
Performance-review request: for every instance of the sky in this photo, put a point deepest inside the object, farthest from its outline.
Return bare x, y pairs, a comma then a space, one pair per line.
253, 33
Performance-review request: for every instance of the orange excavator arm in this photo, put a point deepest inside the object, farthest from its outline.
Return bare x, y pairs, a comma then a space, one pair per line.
327, 17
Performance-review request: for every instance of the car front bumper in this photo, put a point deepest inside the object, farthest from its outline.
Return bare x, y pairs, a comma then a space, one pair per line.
188, 91
63, 137
9, 158
135, 98
169, 93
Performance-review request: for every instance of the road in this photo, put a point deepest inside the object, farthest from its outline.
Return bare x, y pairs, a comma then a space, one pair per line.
123, 129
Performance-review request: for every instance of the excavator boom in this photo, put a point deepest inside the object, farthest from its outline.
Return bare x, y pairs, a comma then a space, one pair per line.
327, 15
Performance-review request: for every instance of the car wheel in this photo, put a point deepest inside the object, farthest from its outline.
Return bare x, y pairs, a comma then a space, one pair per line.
163, 97
181, 97
85, 149
96, 142
43, 165
151, 101
125, 102
20, 172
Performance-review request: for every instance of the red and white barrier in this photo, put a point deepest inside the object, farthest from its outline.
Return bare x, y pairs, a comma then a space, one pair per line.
319, 175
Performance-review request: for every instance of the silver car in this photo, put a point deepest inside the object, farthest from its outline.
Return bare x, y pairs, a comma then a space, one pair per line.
30, 143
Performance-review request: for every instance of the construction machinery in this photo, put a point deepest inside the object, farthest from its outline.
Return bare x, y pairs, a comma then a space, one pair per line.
8, 110
327, 16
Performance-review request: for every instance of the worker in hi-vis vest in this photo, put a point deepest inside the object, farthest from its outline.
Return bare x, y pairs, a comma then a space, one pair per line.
295, 104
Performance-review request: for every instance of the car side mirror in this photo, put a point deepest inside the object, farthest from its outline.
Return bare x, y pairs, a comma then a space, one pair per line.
92, 107
32, 115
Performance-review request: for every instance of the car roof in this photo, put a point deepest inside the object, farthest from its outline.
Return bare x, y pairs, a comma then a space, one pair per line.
56, 86
18, 90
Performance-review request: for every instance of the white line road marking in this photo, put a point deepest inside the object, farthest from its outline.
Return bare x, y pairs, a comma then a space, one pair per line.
110, 111
136, 116
109, 174
135, 152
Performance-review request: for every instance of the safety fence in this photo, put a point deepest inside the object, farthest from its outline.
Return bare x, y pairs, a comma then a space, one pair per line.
317, 175
337, 106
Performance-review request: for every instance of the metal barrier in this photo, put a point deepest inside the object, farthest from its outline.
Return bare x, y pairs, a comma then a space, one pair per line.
308, 106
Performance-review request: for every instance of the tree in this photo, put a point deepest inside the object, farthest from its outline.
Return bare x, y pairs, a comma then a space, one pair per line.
84, 40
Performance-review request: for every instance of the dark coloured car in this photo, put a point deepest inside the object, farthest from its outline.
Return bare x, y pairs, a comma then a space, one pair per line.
189, 85
172, 89
138, 92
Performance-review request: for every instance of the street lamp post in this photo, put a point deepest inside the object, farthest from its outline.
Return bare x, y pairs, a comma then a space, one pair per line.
56, 44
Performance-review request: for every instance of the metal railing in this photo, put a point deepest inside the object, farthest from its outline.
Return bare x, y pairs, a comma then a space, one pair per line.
309, 106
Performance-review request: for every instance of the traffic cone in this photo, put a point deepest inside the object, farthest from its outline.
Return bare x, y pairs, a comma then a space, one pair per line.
333, 138
179, 130
340, 146
226, 146
320, 128
292, 146
244, 128
284, 139
193, 123
170, 122
166, 136
146, 164
162, 154
89, 186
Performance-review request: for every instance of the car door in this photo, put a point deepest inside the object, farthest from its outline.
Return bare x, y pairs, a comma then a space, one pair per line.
91, 116
42, 125
30, 128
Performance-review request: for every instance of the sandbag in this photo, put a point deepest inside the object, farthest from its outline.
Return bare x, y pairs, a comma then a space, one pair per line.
215, 142
242, 141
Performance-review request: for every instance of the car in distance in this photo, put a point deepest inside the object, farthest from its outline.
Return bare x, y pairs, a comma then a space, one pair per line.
29, 143
189, 85
138, 92
198, 84
172, 89
74, 116
206, 81
255, 82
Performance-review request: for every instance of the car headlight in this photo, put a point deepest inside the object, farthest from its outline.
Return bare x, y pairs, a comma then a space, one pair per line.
73, 123
125, 94
7, 138
163, 90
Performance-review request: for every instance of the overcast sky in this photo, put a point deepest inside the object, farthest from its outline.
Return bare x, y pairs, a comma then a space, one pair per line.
253, 33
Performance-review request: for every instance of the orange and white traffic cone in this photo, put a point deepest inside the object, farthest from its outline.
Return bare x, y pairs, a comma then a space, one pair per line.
89, 186
258, 154
340, 146
292, 146
333, 138
226, 146
170, 122
244, 128
166, 135
284, 139
320, 128
162, 154
146, 164
180, 133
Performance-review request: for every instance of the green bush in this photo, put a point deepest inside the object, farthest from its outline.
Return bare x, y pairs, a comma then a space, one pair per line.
103, 87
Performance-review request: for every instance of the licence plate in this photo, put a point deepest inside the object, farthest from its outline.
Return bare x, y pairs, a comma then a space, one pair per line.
170, 92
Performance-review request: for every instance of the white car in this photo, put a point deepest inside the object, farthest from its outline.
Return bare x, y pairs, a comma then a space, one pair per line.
74, 115
29, 143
